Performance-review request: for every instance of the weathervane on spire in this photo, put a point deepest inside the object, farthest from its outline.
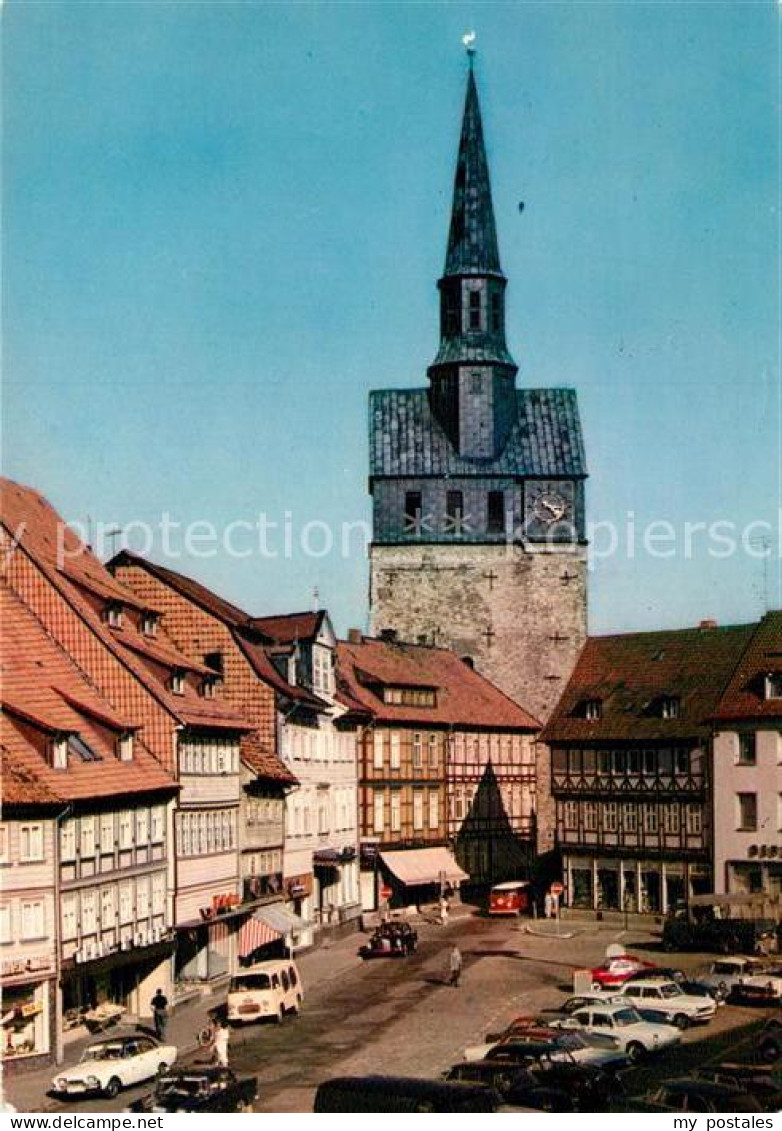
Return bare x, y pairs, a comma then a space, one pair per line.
468, 39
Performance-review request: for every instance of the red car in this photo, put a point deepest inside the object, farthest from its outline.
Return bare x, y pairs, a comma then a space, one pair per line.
615, 971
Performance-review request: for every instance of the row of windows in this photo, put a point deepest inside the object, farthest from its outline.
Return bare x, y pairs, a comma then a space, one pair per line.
516, 801
678, 760
130, 901
456, 520
313, 744
410, 696
30, 847
614, 817
329, 809
204, 832
427, 749
97, 834
262, 810
24, 919
209, 756
387, 812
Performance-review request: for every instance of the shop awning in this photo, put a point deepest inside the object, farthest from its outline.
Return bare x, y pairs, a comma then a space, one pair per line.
424, 866
266, 925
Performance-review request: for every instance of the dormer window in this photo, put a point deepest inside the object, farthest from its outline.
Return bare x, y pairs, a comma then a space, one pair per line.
113, 615
670, 707
593, 710
208, 686
149, 623
773, 685
125, 746
214, 660
178, 681
410, 696
60, 752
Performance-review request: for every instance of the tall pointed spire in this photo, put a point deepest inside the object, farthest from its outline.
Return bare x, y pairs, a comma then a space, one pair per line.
472, 240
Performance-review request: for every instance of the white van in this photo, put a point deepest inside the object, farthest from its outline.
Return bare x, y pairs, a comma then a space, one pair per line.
268, 989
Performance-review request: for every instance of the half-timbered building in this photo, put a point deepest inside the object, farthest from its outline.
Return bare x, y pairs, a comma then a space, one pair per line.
631, 747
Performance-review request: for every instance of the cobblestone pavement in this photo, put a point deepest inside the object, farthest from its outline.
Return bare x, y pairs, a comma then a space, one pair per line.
400, 1016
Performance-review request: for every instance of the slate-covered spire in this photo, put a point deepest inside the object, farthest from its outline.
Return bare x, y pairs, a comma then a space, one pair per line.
472, 240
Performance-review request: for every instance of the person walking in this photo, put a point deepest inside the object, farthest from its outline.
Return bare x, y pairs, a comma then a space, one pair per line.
159, 1005
455, 966
221, 1038
548, 905
443, 911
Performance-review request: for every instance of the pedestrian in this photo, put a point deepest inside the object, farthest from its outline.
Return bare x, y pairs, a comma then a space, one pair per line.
455, 965
443, 911
548, 905
220, 1043
159, 1005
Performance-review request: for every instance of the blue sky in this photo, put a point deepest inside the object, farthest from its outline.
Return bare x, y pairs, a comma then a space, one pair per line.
223, 226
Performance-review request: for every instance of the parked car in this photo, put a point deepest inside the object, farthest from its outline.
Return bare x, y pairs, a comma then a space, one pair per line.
698, 1096
512, 898
265, 991
636, 1036
753, 1078
555, 1068
515, 1085
739, 923
399, 1093
674, 974
601, 1050
743, 979
200, 1090
578, 1001
615, 971
669, 998
109, 1065
769, 1041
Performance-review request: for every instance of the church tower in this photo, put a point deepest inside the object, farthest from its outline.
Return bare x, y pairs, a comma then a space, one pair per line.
477, 486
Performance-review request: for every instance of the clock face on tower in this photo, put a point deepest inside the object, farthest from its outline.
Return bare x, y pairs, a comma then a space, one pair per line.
549, 508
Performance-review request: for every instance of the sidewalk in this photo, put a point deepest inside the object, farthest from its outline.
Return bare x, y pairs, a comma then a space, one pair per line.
330, 960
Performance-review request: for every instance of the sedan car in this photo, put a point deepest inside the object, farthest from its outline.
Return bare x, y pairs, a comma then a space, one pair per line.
636, 1036
554, 1068
668, 997
515, 1085
107, 1066
743, 978
699, 1096
674, 974
200, 1090
599, 1050
615, 971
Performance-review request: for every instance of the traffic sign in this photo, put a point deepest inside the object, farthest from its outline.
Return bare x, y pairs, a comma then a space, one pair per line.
386, 892
557, 888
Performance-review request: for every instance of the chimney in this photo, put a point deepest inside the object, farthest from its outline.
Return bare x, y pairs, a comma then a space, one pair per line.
355, 636
705, 625
388, 635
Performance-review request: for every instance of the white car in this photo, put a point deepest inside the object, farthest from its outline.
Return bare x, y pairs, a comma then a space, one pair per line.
635, 1036
732, 975
682, 1009
106, 1066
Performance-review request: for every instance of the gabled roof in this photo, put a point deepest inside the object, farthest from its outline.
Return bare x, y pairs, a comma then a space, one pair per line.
290, 627
40, 532
743, 697
46, 693
631, 674
463, 696
187, 586
406, 439
265, 670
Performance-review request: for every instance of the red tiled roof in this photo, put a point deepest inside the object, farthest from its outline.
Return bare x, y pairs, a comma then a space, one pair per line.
289, 627
265, 670
188, 587
464, 697
630, 674
265, 762
743, 697
47, 688
39, 531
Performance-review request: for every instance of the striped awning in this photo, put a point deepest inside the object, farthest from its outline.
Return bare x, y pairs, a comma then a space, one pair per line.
267, 924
